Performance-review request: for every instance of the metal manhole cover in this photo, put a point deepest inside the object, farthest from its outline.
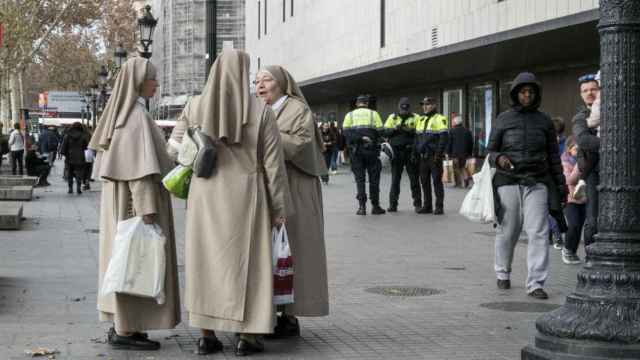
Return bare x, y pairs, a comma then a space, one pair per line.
403, 291
517, 306
92, 231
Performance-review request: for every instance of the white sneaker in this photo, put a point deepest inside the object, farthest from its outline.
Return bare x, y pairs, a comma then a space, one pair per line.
570, 258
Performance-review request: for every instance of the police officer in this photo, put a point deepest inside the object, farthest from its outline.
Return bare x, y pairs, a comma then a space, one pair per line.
400, 129
431, 142
362, 129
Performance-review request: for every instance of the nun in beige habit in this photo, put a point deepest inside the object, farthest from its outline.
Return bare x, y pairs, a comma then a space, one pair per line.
302, 144
228, 264
131, 162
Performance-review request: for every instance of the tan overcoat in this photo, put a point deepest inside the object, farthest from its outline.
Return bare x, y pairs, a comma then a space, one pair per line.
228, 265
306, 227
132, 187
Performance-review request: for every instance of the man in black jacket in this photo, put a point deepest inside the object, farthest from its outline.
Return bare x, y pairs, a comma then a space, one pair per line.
73, 146
588, 152
530, 184
460, 149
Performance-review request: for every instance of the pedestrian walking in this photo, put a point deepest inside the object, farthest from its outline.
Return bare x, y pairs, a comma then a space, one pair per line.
363, 129
4, 145
337, 133
48, 143
37, 167
228, 262
400, 130
74, 144
329, 140
575, 210
586, 130
17, 146
131, 162
302, 144
523, 147
432, 136
460, 149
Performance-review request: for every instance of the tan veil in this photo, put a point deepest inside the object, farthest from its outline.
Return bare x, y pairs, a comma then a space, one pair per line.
124, 95
223, 106
288, 85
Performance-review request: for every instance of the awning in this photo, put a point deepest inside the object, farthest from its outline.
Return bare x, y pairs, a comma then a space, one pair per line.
49, 121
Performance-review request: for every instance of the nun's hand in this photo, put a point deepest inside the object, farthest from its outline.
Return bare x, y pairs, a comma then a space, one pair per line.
279, 221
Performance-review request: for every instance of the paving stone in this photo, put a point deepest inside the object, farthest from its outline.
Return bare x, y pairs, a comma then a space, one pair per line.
54, 259
10, 215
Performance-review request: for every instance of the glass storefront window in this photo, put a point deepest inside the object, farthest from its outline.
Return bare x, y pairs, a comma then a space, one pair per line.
452, 104
480, 117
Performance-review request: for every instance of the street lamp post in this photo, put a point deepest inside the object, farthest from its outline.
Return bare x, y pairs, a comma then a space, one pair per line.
146, 25
103, 77
600, 320
119, 56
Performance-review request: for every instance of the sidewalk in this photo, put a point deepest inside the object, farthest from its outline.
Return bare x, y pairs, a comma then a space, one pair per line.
48, 280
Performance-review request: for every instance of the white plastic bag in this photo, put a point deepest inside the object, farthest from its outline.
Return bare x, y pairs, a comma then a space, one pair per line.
138, 261
478, 205
282, 267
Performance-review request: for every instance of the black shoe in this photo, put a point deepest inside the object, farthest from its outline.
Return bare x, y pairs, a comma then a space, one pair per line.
208, 345
138, 335
133, 342
438, 212
246, 347
286, 326
417, 209
393, 208
86, 187
362, 210
70, 191
377, 210
504, 284
539, 294
424, 210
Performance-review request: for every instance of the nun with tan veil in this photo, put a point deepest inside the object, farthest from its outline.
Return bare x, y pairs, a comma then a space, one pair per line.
131, 161
302, 144
228, 264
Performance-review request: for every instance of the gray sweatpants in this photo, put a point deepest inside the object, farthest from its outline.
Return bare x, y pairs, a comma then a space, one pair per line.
523, 207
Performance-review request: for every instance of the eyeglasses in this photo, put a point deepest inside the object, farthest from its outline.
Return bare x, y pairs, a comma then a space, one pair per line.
587, 78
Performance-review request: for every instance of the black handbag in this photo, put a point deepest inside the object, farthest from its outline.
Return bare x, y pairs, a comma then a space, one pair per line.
204, 164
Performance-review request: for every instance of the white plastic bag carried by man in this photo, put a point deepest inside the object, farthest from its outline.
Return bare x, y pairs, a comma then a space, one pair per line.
478, 205
138, 261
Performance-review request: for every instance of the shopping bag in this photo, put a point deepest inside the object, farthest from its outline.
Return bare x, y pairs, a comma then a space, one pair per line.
447, 172
282, 267
177, 181
138, 261
478, 205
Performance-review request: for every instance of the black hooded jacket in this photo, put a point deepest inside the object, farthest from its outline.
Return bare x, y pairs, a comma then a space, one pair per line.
528, 138
73, 146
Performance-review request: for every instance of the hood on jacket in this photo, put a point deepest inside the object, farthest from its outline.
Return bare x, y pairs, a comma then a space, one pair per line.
525, 78
404, 105
75, 133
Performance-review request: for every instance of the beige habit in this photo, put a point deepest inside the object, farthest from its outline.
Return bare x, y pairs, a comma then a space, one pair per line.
229, 281
132, 161
302, 145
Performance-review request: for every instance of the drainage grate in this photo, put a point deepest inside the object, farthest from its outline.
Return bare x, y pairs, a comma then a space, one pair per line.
403, 291
515, 306
92, 231
455, 268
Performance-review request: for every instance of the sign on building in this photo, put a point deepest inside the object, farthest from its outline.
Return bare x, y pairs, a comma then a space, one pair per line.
61, 101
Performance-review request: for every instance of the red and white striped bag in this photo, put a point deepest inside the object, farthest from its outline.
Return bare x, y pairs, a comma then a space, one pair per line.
282, 267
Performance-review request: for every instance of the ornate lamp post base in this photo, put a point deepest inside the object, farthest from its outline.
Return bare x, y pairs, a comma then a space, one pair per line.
601, 319
553, 348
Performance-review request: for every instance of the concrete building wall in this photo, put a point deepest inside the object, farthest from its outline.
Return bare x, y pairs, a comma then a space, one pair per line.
329, 36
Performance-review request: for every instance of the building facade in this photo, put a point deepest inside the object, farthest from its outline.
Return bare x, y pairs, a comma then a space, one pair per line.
179, 47
463, 52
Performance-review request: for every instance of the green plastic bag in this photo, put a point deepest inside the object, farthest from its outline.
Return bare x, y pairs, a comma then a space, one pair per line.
177, 181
